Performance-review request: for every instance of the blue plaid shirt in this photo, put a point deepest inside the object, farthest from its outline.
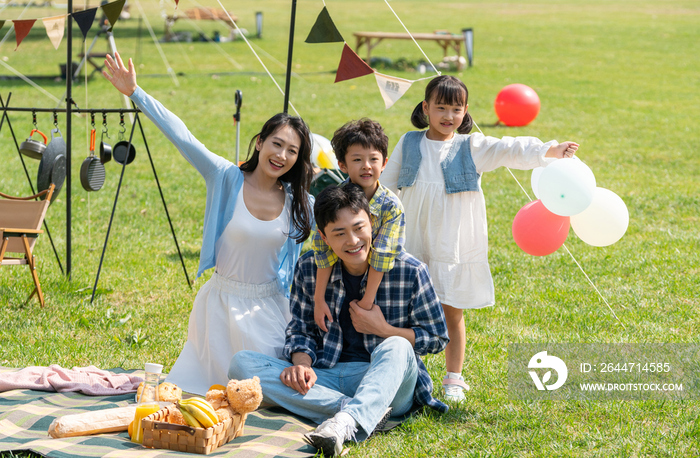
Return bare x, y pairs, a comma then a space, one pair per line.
406, 298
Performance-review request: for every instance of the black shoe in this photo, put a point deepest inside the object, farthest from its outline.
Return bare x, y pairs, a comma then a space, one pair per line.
382, 422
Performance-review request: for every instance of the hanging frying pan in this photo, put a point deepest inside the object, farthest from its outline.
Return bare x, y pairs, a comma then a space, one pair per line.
33, 148
124, 152
92, 172
52, 167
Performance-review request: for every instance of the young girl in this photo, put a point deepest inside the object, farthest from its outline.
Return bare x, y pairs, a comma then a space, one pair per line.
255, 219
437, 175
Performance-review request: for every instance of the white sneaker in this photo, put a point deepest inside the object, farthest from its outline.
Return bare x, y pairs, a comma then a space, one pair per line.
454, 389
330, 436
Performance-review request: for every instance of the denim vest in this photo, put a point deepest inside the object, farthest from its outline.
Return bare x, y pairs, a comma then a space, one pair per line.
458, 167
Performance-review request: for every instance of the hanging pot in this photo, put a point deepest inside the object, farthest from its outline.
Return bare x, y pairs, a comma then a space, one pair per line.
52, 167
123, 152
92, 172
33, 148
105, 149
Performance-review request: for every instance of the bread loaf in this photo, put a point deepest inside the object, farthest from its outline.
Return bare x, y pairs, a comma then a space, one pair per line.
94, 422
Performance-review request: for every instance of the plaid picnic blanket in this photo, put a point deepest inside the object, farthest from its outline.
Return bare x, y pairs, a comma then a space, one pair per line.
25, 416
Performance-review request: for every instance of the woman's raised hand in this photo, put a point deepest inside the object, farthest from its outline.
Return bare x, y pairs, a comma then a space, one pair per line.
121, 78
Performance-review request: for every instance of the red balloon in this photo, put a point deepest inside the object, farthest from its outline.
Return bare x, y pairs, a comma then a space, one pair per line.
539, 232
517, 105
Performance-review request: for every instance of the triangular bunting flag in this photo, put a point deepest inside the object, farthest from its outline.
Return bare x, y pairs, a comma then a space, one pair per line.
324, 30
54, 29
112, 11
392, 88
177, 2
85, 20
22, 28
1, 24
351, 66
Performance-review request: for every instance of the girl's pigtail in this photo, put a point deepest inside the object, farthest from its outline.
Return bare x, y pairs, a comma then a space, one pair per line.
418, 118
467, 124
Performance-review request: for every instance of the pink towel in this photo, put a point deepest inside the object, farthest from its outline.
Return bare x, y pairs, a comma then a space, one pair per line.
87, 380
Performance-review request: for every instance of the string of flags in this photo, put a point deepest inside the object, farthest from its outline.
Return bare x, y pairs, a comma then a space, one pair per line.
55, 25
324, 30
351, 65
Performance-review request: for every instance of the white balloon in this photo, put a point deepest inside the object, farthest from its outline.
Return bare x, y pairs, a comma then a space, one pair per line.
535, 179
566, 187
604, 222
322, 155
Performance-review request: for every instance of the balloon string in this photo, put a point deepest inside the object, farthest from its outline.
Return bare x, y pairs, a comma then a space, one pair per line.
256, 55
565, 247
595, 288
521, 186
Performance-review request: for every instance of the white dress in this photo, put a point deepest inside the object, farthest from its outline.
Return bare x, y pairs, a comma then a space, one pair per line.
240, 307
448, 232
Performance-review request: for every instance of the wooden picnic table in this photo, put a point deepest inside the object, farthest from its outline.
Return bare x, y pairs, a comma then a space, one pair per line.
446, 41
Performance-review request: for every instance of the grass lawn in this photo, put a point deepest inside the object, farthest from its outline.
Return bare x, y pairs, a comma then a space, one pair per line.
620, 77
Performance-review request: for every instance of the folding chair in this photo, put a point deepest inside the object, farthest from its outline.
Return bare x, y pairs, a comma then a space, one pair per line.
20, 225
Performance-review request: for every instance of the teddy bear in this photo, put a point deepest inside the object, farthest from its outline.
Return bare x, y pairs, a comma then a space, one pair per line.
240, 397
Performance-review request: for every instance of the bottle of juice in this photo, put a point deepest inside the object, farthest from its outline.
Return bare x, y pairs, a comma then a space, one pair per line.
148, 401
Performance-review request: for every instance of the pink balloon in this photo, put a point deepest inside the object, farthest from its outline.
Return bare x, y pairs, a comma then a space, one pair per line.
517, 105
539, 232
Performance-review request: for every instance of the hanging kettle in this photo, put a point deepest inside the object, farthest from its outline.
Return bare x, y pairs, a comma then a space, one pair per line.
33, 148
92, 172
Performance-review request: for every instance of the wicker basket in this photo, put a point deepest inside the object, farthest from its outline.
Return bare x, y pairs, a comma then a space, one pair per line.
159, 434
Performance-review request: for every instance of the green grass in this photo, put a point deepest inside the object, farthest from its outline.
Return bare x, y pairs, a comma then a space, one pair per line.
619, 77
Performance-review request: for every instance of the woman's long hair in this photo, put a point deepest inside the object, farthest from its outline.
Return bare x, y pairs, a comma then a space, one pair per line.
299, 176
444, 89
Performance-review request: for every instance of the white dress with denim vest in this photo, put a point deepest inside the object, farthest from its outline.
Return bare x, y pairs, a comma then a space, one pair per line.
241, 306
448, 232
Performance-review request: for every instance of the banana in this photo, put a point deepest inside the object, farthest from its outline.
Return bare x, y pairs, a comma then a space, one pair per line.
204, 406
189, 419
199, 415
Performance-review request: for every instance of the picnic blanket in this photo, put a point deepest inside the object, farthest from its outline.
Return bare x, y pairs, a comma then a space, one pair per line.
25, 416
87, 380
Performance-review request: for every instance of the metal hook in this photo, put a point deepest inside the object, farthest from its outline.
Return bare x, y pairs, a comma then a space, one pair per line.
122, 126
92, 119
104, 124
34, 118
55, 120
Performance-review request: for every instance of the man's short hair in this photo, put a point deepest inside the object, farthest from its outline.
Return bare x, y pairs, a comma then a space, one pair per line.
335, 198
365, 132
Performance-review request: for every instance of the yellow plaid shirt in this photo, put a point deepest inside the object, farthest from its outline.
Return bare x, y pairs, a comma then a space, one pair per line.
388, 233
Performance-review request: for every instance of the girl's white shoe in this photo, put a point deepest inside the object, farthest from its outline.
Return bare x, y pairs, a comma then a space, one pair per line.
454, 388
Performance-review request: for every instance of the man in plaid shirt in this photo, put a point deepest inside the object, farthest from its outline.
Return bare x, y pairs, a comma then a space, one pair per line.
368, 364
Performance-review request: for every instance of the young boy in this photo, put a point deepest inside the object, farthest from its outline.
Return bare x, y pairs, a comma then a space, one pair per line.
361, 149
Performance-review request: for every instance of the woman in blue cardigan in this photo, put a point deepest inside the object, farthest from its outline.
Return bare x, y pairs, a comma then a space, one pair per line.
255, 219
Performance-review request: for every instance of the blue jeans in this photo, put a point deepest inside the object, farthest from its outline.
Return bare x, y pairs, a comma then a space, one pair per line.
363, 390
